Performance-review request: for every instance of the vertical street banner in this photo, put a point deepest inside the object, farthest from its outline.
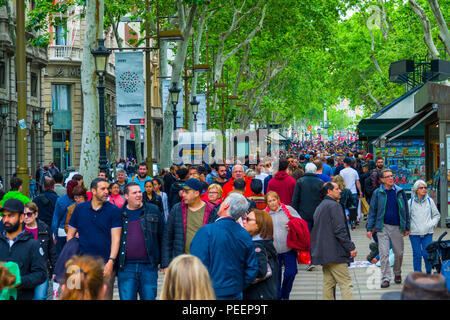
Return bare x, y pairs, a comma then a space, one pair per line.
201, 116
166, 84
130, 88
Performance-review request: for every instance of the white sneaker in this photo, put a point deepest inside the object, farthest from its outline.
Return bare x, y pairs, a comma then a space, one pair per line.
310, 268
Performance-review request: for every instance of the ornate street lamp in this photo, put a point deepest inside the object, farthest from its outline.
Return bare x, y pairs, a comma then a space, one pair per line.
101, 55
174, 94
194, 103
3, 115
36, 116
49, 114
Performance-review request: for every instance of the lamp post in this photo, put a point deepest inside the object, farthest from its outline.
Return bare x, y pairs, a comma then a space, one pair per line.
174, 93
194, 104
49, 114
101, 55
3, 115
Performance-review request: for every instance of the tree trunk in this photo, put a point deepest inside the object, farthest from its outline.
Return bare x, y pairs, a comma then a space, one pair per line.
186, 29
90, 152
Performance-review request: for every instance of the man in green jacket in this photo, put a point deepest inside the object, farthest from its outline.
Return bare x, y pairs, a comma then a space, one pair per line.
16, 192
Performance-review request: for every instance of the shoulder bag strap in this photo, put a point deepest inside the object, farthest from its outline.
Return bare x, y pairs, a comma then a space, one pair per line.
285, 209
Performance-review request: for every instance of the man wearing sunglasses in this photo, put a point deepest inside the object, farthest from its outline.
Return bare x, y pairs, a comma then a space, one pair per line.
390, 219
19, 246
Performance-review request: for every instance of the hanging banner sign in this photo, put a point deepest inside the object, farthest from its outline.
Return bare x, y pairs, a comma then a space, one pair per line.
130, 88
201, 117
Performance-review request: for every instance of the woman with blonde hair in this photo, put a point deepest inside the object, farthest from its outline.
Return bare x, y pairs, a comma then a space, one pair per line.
84, 279
215, 194
287, 257
187, 279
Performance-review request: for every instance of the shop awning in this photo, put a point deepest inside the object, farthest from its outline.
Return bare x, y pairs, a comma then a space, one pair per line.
274, 135
406, 125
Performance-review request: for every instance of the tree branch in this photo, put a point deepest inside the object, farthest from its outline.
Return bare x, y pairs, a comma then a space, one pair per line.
444, 35
427, 37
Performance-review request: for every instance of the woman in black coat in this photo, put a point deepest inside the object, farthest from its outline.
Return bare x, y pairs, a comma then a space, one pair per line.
265, 287
150, 196
41, 233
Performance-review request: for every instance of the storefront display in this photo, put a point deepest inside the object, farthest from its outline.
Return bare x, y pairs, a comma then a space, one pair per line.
406, 159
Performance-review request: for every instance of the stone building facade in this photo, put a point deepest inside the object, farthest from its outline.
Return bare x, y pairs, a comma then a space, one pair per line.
36, 60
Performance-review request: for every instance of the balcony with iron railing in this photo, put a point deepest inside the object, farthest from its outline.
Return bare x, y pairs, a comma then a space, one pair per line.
64, 53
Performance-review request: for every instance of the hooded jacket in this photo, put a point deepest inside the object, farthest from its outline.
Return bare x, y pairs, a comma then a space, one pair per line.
174, 237
228, 187
424, 215
173, 195
306, 196
27, 254
284, 185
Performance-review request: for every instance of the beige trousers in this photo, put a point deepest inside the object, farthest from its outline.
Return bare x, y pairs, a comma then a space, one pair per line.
336, 273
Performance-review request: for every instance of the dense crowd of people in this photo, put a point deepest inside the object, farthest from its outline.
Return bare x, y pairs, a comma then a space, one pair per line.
218, 231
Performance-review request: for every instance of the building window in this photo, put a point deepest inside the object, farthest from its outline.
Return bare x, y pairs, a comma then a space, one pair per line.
34, 84
61, 97
61, 34
2, 74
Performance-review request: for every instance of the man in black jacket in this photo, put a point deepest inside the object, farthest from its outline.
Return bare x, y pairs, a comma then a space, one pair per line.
169, 178
306, 194
174, 193
46, 201
331, 246
140, 246
20, 247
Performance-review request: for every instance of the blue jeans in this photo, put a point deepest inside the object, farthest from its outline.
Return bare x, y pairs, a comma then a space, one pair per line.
419, 244
41, 291
138, 277
289, 259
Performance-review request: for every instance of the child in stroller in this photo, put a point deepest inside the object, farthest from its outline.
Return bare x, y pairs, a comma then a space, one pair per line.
439, 257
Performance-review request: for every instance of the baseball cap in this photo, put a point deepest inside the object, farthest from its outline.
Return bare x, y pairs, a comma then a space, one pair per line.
368, 155
13, 205
193, 184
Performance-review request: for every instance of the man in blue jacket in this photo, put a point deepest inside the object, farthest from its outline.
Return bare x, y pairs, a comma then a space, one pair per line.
389, 218
227, 250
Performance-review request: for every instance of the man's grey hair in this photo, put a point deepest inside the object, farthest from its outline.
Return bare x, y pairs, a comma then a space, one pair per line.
384, 171
121, 171
310, 168
238, 205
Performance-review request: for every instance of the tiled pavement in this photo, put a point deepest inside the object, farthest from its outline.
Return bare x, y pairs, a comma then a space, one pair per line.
308, 284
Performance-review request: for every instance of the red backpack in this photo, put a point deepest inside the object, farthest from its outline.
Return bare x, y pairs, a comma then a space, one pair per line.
298, 237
